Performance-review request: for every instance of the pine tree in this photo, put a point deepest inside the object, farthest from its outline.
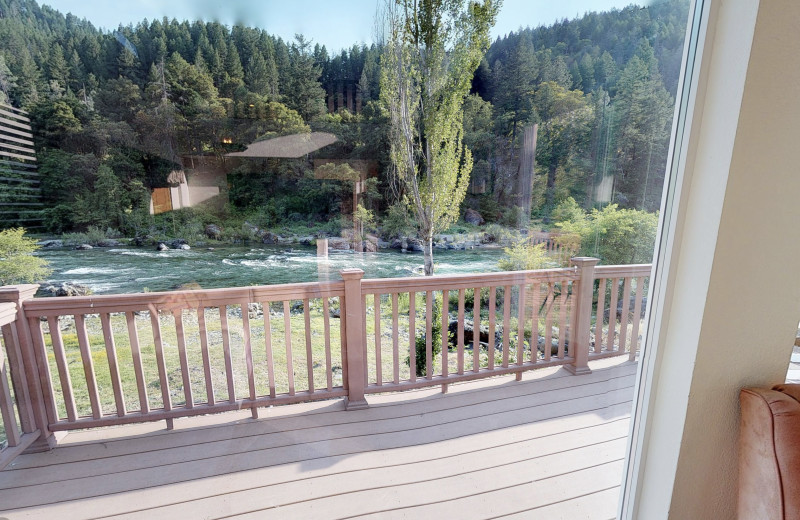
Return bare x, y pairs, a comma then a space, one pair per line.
8, 82
305, 94
57, 68
256, 77
515, 83
644, 112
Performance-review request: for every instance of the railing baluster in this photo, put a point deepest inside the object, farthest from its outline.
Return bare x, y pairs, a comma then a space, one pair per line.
562, 318
476, 330
429, 303
637, 318
612, 315
226, 352
569, 309
162, 367
364, 340
268, 346
177, 315
506, 323
248, 357
521, 329
326, 323
492, 324
37, 396
395, 342
536, 289
343, 335
113, 367
626, 302
309, 353
445, 333
599, 316
19, 379
136, 356
88, 366
376, 298
63, 369
7, 403
548, 321
203, 333
460, 332
287, 338
412, 332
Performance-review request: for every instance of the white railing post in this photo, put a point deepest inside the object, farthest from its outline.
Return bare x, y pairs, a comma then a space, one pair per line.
355, 349
582, 311
32, 400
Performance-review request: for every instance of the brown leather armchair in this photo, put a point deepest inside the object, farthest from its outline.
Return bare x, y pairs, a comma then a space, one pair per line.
769, 453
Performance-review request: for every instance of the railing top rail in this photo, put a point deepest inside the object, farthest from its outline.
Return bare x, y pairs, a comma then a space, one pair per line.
465, 281
180, 299
8, 313
622, 271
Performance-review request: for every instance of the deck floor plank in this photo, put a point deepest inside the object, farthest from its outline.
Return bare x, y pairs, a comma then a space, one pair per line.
412, 454
497, 413
242, 429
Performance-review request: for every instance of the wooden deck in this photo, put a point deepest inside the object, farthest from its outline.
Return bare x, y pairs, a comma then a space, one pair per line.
550, 446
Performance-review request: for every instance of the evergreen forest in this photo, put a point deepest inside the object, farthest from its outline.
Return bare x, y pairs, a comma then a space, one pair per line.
114, 112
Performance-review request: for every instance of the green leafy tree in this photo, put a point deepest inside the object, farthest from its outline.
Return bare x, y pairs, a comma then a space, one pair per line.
566, 122
616, 236
17, 262
433, 49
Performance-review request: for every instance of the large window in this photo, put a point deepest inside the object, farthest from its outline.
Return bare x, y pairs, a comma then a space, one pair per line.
161, 149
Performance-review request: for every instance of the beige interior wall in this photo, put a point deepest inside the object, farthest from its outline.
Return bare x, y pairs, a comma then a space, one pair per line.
732, 314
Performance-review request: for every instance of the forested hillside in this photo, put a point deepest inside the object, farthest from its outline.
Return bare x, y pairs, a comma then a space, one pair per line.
113, 112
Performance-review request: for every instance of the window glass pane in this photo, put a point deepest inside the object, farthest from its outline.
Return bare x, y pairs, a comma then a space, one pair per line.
316, 162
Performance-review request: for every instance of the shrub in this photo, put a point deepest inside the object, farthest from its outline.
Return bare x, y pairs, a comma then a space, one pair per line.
568, 210
616, 236
420, 347
92, 236
524, 257
397, 222
17, 263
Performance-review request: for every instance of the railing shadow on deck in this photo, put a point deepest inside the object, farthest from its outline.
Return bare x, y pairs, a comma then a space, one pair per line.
83, 362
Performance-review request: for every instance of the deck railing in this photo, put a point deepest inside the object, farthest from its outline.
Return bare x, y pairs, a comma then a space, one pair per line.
82, 362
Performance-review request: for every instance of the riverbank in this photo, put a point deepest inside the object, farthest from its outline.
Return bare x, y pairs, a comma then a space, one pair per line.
459, 238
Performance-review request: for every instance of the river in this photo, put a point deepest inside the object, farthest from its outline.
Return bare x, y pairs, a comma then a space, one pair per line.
127, 270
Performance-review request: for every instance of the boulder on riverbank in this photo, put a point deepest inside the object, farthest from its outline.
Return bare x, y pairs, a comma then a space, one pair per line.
83, 247
473, 217
67, 289
338, 244
213, 231
47, 244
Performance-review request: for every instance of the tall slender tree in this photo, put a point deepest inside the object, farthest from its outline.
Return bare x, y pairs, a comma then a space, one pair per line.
433, 49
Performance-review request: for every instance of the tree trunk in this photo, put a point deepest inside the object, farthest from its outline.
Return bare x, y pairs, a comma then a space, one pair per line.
551, 185
427, 247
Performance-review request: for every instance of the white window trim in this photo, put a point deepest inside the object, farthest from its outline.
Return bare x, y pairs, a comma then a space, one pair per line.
711, 90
